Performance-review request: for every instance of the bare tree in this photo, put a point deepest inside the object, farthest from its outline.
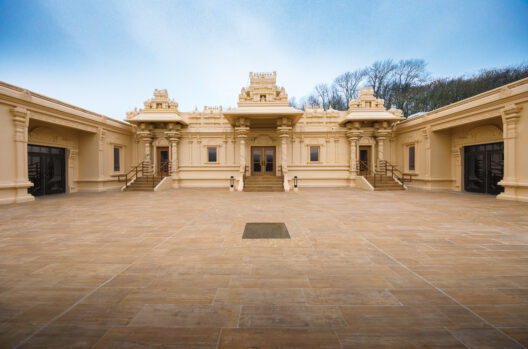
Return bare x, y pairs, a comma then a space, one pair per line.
379, 76
347, 84
292, 102
336, 100
313, 100
323, 93
410, 72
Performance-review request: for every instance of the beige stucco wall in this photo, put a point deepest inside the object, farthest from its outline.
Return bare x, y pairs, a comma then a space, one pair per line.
500, 115
88, 138
441, 135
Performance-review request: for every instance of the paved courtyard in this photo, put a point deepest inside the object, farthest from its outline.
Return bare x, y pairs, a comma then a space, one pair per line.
170, 270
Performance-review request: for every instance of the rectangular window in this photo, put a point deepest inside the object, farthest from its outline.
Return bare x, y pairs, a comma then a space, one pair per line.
411, 158
211, 154
314, 154
117, 162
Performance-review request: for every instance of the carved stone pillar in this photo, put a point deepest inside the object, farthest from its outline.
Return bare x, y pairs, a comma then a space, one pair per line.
102, 135
426, 134
284, 132
353, 136
241, 134
174, 138
510, 118
381, 136
21, 121
145, 136
458, 169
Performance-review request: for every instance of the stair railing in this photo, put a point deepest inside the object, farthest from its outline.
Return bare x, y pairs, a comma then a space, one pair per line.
143, 170
395, 172
363, 167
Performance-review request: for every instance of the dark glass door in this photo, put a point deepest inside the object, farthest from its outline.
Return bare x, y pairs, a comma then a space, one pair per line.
46, 169
163, 161
364, 158
484, 168
262, 161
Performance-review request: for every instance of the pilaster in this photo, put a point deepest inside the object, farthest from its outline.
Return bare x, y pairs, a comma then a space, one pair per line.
21, 122
511, 115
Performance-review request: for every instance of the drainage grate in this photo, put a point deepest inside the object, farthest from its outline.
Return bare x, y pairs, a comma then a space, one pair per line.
265, 231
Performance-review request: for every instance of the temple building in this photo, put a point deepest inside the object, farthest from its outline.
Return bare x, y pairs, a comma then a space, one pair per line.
478, 145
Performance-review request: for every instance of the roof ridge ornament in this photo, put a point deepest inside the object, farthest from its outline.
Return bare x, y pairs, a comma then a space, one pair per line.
263, 92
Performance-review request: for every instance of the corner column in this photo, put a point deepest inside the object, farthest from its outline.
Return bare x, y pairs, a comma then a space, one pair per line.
174, 138
381, 136
510, 118
21, 121
146, 138
241, 133
353, 135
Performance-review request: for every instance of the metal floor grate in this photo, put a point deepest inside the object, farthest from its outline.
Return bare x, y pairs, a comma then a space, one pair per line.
266, 231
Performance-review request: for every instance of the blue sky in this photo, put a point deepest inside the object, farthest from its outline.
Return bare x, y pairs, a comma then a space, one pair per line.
108, 56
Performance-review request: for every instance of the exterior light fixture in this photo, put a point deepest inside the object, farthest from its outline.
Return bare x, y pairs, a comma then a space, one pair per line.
295, 181
232, 182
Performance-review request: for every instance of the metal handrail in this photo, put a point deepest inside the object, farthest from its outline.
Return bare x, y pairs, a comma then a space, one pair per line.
395, 172
362, 166
143, 169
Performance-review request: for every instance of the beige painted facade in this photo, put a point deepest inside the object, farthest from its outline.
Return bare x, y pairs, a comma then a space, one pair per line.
321, 148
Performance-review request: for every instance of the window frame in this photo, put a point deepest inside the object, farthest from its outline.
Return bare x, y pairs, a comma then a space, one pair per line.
318, 147
209, 154
119, 159
413, 147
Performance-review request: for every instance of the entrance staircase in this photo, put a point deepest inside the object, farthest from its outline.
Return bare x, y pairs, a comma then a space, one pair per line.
143, 178
264, 183
384, 177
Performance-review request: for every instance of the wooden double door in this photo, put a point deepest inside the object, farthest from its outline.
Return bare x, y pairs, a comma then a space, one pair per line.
263, 161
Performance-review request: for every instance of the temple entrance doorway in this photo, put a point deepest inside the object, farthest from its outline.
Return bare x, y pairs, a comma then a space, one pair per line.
163, 161
484, 168
263, 161
46, 170
365, 159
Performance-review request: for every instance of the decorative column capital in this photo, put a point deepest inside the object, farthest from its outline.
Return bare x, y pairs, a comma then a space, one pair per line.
510, 116
241, 132
173, 136
353, 135
21, 121
284, 131
145, 136
511, 113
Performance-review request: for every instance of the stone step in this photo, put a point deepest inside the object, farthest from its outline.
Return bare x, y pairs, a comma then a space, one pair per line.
263, 190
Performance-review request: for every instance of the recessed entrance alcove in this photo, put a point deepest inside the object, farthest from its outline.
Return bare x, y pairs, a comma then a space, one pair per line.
265, 231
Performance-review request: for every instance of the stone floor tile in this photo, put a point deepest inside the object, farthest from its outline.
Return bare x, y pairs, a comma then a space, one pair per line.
398, 339
381, 318
520, 334
146, 271
99, 315
291, 316
504, 315
171, 296
471, 296
349, 296
157, 337
253, 282
247, 296
170, 315
429, 296
67, 337
268, 338
484, 338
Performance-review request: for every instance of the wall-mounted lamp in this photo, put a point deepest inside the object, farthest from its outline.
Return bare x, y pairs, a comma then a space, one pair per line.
295, 181
232, 182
